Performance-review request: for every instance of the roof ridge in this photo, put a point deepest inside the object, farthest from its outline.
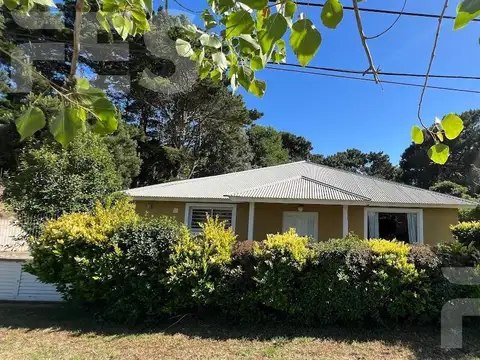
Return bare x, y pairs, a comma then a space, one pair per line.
166, 184
264, 185
393, 182
336, 188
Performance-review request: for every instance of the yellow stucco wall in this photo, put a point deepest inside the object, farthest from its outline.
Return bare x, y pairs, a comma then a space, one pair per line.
355, 220
159, 208
269, 219
436, 225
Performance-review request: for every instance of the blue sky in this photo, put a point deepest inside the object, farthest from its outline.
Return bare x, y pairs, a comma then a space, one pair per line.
336, 114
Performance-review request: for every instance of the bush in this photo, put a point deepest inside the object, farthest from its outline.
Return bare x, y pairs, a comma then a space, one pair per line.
72, 251
52, 181
467, 233
281, 258
135, 269
196, 263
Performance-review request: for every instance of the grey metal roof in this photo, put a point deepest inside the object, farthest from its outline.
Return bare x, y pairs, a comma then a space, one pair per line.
299, 188
297, 181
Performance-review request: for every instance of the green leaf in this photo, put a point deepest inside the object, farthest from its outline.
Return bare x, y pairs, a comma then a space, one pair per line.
120, 25
216, 75
258, 87
247, 44
417, 135
208, 20
30, 122
332, 13
110, 6
305, 40
102, 20
65, 126
245, 76
255, 4
11, 4
257, 63
204, 69
198, 56
452, 125
275, 27
183, 48
210, 40
439, 153
467, 10
149, 5
238, 22
82, 84
290, 9
106, 117
220, 60
45, 3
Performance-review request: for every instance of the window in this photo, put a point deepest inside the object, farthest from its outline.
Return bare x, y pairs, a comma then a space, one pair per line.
304, 223
196, 214
401, 224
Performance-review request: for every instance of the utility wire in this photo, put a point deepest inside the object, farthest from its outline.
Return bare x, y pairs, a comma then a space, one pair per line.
380, 11
371, 80
360, 72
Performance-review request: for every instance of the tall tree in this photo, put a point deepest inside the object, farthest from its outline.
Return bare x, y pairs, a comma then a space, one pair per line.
376, 164
200, 132
298, 147
267, 146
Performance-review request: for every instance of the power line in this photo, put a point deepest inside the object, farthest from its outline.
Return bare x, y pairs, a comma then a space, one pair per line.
380, 11
359, 72
371, 80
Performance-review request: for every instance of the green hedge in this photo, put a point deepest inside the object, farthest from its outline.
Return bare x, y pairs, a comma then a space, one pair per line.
467, 232
133, 269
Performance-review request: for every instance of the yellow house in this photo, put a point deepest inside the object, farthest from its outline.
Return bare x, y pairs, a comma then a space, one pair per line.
318, 201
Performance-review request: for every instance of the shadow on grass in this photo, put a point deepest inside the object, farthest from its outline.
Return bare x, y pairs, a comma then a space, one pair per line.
423, 341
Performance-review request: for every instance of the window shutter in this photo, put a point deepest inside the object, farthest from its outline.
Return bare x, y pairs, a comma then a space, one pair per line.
198, 215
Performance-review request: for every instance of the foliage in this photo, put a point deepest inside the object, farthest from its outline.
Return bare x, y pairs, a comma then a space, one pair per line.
281, 258
267, 146
467, 233
375, 164
462, 168
51, 181
451, 188
123, 147
132, 269
298, 147
196, 264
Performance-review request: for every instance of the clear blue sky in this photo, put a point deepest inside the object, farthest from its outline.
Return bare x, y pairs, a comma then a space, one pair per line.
336, 114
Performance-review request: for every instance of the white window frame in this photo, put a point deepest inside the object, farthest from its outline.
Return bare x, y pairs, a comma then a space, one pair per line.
189, 206
315, 228
419, 213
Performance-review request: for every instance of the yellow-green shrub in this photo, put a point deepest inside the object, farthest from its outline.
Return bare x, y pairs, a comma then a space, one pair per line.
196, 264
288, 244
93, 227
467, 233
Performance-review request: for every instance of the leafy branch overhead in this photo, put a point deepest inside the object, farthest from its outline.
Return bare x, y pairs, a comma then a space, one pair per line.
238, 39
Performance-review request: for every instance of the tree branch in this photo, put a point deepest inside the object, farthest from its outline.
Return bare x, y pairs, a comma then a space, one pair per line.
432, 57
391, 26
364, 43
76, 37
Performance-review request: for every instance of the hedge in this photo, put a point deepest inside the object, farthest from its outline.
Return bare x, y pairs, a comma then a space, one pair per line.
136, 269
467, 232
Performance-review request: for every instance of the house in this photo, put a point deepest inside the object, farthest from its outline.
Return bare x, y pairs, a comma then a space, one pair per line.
319, 201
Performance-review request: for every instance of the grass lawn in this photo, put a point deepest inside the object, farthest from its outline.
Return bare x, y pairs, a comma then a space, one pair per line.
54, 332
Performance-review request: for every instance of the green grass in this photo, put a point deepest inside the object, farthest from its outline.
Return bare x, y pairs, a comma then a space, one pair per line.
40, 332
